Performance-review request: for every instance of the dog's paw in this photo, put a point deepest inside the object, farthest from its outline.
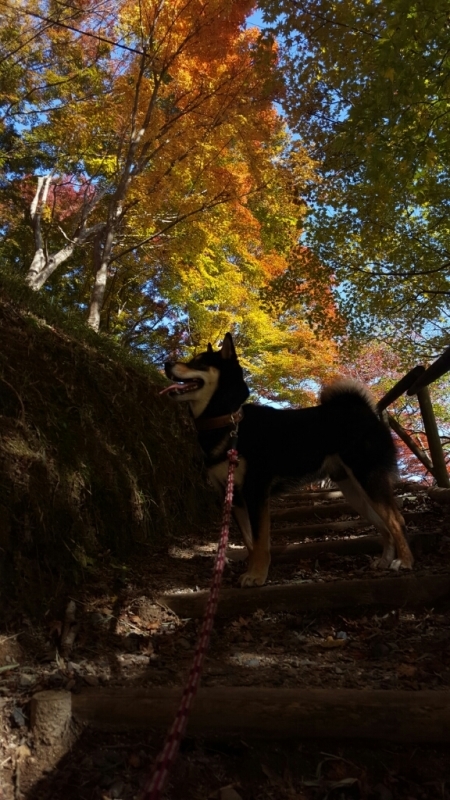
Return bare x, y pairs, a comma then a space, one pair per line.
395, 563
399, 563
381, 563
252, 579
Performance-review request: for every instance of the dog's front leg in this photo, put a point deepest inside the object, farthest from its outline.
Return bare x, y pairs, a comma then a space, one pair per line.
259, 557
242, 519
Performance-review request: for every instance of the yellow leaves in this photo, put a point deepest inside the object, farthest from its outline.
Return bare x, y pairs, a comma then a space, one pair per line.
104, 165
46, 214
290, 360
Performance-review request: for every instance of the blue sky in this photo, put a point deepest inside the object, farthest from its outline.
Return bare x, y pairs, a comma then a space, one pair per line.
255, 19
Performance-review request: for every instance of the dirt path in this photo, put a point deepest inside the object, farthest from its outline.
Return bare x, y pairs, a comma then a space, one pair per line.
126, 639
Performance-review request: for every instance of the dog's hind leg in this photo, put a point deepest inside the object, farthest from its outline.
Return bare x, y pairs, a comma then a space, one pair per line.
376, 503
259, 557
356, 496
379, 490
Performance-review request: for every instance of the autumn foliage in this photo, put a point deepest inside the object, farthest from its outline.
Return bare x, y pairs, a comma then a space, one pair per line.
151, 183
380, 367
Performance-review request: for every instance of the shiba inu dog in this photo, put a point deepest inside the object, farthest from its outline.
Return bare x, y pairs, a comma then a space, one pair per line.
342, 437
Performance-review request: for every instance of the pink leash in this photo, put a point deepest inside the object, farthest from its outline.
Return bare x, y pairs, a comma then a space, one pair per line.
155, 784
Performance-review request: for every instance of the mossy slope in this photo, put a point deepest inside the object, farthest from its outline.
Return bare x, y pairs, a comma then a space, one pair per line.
91, 458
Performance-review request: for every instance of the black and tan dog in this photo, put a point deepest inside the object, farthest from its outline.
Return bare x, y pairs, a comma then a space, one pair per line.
342, 437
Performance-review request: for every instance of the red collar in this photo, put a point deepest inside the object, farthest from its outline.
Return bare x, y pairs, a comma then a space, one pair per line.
225, 421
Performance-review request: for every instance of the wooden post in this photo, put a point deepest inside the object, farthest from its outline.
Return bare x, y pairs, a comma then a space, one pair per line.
53, 737
51, 712
434, 441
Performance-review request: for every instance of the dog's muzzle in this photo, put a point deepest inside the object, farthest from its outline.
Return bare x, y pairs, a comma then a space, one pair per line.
183, 385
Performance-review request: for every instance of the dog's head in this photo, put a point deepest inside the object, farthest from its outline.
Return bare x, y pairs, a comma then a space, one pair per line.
213, 378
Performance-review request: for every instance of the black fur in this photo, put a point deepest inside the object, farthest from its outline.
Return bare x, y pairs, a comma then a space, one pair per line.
292, 445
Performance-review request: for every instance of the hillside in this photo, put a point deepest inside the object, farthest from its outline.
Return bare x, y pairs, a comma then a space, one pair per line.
92, 460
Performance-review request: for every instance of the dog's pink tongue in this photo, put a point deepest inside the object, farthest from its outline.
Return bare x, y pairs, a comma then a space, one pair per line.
170, 388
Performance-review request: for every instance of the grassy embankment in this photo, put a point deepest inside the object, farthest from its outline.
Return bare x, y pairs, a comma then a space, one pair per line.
92, 460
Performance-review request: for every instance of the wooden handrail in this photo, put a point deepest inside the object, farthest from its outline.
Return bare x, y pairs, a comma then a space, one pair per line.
415, 383
400, 387
436, 370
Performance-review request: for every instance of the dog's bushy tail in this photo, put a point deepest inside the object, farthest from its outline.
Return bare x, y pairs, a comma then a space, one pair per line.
347, 389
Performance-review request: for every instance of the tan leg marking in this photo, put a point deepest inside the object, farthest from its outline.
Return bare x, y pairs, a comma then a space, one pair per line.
385, 516
242, 519
395, 523
259, 558
357, 497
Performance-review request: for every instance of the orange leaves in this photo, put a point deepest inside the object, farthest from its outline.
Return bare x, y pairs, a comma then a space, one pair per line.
273, 265
184, 190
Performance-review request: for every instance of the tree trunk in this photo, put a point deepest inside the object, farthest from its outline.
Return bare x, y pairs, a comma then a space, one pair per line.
43, 265
98, 296
102, 257
37, 205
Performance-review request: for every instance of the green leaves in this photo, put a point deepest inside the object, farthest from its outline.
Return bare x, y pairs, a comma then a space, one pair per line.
367, 84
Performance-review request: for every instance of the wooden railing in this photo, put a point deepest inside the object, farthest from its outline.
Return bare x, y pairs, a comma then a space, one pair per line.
416, 382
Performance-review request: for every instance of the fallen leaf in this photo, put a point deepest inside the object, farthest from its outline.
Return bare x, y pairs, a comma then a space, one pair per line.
23, 752
330, 643
240, 623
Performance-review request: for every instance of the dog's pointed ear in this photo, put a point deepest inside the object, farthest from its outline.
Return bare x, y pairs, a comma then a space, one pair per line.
209, 349
228, 350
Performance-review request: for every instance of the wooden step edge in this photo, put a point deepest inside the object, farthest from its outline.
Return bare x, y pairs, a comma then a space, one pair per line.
414, 590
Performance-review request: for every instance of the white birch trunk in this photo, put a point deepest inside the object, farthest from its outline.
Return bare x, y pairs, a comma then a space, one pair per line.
37, 205
98, 296
43, 265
